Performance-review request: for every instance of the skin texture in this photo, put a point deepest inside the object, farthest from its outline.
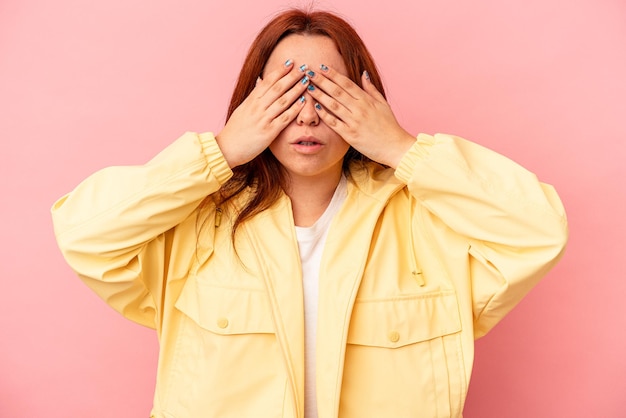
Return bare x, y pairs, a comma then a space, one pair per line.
310, 141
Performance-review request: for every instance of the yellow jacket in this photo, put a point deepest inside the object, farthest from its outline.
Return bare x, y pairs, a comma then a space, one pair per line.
418, 263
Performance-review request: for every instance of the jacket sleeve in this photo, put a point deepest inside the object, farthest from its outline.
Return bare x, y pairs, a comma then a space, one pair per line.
115, 228
515, 226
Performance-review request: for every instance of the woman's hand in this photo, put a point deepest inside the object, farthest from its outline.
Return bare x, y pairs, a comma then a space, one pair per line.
362, 117
270, 107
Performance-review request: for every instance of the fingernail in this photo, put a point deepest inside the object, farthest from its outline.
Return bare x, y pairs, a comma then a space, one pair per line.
258, 80
303, 67
323, 67
311, 87
305, 80
302, 99
311, 73
288, 63
367, 75
318, 106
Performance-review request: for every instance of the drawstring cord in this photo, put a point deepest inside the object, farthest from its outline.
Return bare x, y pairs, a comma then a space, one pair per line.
218, 217
416, 272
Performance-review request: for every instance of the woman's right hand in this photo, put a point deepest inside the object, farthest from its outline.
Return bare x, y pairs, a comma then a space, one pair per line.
269, 108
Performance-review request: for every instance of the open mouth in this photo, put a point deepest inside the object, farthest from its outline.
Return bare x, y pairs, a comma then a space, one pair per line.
307, 141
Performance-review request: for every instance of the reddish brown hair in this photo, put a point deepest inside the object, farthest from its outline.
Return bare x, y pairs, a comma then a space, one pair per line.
264, 174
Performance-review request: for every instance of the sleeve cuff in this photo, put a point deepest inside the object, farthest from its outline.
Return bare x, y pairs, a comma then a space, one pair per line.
419, 151
215, 159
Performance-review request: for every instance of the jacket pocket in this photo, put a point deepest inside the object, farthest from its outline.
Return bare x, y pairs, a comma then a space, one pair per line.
225, 358
397, 322
226, 310
405, 353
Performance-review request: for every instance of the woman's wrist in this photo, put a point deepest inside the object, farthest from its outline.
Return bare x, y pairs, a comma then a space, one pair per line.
398, 149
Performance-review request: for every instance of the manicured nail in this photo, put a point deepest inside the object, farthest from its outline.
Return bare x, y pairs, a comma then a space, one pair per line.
258, 80
323, 67
318, 106
305, 80
302, 99
311, 73
288, 63
367, 75
311, 87
303, 67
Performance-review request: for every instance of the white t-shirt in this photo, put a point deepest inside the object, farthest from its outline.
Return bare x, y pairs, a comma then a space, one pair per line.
311, 242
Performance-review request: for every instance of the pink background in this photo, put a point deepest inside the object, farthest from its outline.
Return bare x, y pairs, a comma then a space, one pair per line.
84, 85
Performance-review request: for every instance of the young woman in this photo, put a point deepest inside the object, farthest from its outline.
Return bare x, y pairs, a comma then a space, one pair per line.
313, 259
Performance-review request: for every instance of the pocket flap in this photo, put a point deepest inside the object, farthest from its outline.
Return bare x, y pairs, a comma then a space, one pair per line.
226, 310
402, 321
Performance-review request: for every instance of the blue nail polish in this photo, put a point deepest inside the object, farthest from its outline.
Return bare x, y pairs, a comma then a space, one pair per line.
318, 106
311, 73
367, 75
311, 87
323, 67
305, 80
288, 63
303, 67
302, 99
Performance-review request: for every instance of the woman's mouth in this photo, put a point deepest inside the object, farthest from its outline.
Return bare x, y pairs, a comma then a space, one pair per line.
307, 141
307, 144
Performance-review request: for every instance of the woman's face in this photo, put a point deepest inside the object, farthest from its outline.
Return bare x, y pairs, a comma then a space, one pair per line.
307, 147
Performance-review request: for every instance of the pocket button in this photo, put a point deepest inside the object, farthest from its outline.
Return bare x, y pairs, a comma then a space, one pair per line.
222, 323
394, 336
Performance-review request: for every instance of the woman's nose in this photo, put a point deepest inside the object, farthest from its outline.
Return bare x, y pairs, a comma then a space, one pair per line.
308, 116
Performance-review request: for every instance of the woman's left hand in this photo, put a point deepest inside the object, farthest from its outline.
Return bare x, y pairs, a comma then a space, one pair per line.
361, 116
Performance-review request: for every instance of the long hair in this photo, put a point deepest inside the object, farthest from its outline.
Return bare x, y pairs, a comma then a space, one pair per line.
264, 175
